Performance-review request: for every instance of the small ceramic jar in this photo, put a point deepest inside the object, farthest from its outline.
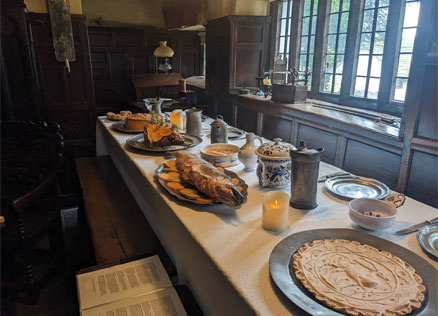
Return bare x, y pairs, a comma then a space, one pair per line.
274, 164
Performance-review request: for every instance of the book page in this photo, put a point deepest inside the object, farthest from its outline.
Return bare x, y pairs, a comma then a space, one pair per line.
121, 281
163, 302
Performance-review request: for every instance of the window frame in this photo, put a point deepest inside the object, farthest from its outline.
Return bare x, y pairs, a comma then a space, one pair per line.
384, 102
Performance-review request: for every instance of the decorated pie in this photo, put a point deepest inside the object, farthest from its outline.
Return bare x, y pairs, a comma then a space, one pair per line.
138, 121
358, 279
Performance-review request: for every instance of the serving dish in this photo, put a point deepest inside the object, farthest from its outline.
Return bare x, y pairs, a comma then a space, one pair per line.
137, 142
221, 154
283, 274
375, 214
350, 187
428, 239
231, 174
120, 127
233, 133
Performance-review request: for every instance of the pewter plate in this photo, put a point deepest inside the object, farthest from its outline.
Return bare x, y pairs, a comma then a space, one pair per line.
233, 133
137, 142
283, 274
351, 187
428, 239
183, 198
120, 127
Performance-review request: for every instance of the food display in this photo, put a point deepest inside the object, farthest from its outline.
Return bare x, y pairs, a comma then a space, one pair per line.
139, 121
118, 117
358, 279
192, 179
162, 134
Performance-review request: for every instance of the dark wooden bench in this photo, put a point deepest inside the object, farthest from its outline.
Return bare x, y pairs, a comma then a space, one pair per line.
119, 230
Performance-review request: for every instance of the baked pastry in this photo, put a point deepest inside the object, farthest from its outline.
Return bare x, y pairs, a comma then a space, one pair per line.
120, 117
138, 121
162, 134
207, 179
358, 279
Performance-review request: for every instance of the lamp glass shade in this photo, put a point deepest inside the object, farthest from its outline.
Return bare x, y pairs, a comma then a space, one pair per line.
163, 50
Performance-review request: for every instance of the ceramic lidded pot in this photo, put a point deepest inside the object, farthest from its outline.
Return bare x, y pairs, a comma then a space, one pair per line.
274, 163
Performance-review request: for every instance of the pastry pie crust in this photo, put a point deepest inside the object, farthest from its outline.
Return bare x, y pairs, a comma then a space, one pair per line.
358, 279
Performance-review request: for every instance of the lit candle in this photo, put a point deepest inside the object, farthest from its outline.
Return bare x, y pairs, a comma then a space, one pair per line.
275, 211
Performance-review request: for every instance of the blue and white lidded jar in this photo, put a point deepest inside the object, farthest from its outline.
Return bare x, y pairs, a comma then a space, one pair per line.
274, 161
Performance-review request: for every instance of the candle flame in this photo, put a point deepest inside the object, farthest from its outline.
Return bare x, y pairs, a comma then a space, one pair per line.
276, 203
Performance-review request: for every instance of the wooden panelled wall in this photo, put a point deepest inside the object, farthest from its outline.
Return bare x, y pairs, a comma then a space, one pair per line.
119, 53
407, 163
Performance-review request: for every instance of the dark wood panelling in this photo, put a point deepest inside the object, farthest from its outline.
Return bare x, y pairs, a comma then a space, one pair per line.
248, 66
316, 138
427, 123
246, 119
225, 109
275, 127
423, 182
250, 34
368, 161
117, 54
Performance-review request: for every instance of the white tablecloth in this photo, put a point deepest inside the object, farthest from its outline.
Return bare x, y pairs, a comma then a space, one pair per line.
222, 254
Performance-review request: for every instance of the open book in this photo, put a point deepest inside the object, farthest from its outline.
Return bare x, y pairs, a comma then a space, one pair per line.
137, 288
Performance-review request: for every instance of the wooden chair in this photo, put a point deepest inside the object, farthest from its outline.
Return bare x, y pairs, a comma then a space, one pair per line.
30, 156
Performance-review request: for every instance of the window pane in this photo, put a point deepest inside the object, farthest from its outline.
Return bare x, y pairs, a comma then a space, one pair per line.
304, 43
338, 81
368, 18
412, 12
379, 42
284, 9
331, 43
373, 88
329, 63
369, 4
341, 43
339, 64
408, 38
327, 85
400, 89
404, 65
362, 66
313, 30
307, 4
310, 62
333, 24
305, 30
344, 23
376, 66
283, 27
365, 42
359, 87
315, 7
382, 17
335, 6
312, 44
383, 3
303, 59
281, 45
346, 5
287, 44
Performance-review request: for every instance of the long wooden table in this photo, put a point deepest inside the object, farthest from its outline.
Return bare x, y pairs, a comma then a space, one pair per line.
223, 254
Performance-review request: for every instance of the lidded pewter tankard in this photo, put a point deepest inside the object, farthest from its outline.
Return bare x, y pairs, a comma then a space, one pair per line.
305, 170
219, 132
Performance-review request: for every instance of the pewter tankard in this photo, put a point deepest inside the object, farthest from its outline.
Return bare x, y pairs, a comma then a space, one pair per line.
194, 122
305, 169
219, 132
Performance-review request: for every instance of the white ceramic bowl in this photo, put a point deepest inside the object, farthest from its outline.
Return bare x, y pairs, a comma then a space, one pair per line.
359, 207
227, 160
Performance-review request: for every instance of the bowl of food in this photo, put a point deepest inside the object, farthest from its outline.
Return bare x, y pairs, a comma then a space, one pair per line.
221, 154
375, 214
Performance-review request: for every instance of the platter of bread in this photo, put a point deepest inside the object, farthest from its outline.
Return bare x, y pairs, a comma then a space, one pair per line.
191, 179
118, 116
349, 272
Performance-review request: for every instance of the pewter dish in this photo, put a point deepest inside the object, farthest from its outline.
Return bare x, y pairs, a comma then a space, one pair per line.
283, 274
350, 187
428, 239
120, 127
183, 198
137, 142
360, 209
